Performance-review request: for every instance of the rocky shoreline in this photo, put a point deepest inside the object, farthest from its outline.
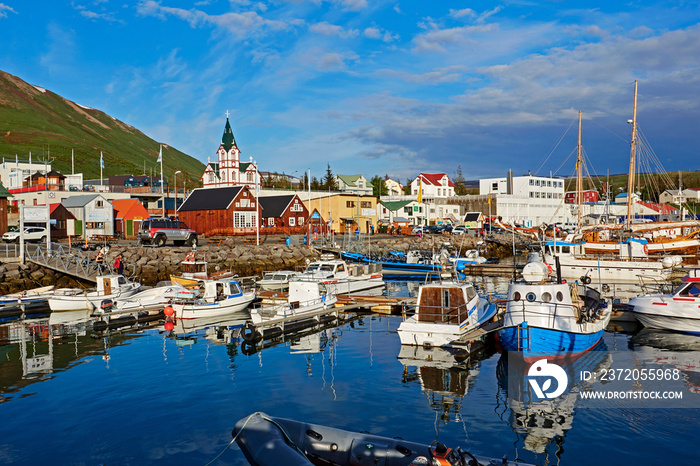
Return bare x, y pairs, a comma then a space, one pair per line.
151, 265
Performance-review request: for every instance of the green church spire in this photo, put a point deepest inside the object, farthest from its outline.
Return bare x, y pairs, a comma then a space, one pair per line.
227, 139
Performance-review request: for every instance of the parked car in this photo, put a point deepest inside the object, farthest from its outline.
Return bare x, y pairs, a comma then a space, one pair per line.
458, 230
36, 234
432, 229
160, 230
416, 229
446, 228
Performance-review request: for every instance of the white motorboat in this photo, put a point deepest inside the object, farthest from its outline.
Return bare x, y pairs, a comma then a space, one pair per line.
344, 278
677, 311
305, 296
445, 311
218, 297
276, 281
108, 287
152, 299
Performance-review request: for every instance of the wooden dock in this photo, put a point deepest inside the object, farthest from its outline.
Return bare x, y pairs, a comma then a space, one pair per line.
386, 305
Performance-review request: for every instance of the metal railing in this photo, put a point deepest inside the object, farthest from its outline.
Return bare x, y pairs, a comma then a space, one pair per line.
71, 261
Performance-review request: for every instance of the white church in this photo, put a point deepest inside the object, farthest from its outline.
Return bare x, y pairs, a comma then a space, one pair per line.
229, 170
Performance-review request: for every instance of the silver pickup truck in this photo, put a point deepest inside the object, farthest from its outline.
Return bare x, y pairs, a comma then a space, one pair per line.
158, 231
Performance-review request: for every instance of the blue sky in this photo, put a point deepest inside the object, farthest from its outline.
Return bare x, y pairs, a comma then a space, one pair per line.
377, 87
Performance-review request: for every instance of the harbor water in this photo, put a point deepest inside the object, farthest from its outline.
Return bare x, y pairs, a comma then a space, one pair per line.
144, 395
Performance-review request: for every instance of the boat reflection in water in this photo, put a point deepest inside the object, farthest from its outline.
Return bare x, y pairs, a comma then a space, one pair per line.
545, 421
446, 375
667, 348
222, 329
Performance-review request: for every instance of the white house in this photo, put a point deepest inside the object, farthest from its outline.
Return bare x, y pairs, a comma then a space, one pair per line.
94, 212
394, 188
527, 200
432, 186
388, 211
354, 184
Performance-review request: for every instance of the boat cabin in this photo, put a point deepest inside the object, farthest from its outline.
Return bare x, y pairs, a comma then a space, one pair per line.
218, 290
194, 269
110, 284
447, 303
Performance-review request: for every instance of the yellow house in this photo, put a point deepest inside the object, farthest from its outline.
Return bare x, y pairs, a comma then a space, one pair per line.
346, 211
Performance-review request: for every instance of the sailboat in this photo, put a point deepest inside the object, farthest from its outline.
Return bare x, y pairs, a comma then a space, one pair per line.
625, 260
679, 237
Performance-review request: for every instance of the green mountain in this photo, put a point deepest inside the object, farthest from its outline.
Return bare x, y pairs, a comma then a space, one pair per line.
36, 120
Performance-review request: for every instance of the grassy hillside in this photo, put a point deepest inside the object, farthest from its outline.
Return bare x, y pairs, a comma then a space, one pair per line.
43, 123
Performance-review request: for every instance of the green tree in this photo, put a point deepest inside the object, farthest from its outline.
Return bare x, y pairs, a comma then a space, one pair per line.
407, 186
378, 186
460, 182
315, 184
329, 183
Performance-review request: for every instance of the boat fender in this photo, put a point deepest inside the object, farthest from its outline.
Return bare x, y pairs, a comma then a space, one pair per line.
250, 333
168, 310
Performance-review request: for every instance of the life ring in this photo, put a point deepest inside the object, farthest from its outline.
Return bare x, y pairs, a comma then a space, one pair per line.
601, 235
646, 249
549, 268
189, 257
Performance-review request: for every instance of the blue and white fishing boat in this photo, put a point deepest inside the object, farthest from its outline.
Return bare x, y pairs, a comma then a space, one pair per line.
412, 263
551, 317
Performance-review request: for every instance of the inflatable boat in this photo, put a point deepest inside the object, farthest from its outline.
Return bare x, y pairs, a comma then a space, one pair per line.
268, 441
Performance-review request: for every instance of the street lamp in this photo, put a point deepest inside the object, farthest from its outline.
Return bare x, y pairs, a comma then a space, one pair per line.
175, 186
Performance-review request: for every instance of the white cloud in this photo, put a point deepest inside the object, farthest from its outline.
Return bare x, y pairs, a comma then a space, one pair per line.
241, 25
462, 13
328, 29
4, 9
438, 40
444, 75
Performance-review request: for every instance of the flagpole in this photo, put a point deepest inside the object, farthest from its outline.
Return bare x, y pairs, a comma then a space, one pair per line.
102, 164
72, 161
162, 188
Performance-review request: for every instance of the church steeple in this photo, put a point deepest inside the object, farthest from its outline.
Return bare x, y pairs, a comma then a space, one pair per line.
227, 139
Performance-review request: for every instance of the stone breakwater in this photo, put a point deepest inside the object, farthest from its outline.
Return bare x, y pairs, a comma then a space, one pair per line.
151, 265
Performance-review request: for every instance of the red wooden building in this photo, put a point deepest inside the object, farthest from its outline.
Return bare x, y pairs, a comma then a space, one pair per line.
230, 210
587, 196
128, 214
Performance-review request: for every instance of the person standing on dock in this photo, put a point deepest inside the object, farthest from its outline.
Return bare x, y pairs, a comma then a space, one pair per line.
119, 265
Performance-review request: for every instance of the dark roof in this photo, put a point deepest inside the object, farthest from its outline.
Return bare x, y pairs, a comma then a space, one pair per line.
118, 180
227, 139
56, 174
210, 198
274, 206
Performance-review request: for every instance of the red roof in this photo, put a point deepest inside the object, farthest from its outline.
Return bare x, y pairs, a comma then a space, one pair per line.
663, 209
435, 179
129, 209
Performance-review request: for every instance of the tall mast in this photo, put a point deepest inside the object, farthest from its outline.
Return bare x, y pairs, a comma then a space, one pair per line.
579, 175
633, 153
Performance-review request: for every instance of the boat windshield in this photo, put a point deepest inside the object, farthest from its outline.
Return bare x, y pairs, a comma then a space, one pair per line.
269, 276
689, 289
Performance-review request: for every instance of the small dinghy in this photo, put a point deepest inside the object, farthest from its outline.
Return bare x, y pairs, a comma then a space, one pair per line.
267, 441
